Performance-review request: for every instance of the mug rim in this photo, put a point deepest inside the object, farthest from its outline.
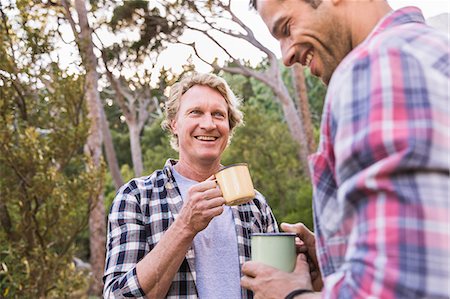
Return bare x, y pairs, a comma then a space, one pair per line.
281, 234
231, 165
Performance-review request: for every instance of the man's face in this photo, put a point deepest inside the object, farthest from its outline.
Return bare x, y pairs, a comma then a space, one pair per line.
202, 125
314, 37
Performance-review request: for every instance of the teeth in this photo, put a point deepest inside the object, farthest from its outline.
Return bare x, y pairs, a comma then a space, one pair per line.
309, 57
207, 138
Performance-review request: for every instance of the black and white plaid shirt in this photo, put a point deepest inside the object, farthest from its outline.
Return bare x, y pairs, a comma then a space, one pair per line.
142, 211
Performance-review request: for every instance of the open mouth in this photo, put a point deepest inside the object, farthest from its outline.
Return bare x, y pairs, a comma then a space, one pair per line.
206, 138
307, 57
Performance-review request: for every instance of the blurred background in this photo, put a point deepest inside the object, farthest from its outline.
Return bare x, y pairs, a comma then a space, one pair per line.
82, 91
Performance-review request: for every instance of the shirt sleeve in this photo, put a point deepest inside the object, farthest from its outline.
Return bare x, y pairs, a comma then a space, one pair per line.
268, 219
391, 134
126, 246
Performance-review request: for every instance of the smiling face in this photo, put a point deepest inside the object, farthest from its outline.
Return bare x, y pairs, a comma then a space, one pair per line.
202, 126
314, 37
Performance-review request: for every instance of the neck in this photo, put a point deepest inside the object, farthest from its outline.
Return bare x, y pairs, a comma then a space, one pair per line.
363, 16
196, 171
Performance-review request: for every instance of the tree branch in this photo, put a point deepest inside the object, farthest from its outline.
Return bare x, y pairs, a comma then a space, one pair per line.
69, 17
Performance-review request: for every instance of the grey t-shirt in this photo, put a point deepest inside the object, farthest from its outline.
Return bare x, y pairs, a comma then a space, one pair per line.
216, 253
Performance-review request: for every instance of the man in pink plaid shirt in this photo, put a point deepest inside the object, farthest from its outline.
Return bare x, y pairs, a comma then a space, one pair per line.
381, 174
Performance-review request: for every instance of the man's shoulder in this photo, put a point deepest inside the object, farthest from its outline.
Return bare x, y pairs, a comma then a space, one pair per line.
412, 41
144, 182
402, 37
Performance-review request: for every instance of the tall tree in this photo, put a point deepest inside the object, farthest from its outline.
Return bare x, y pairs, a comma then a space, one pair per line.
298, 76
110, 152
44, 184
158, 23
208, 25
93, 147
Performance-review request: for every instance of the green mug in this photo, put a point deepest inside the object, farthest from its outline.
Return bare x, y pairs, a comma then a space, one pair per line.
274, 249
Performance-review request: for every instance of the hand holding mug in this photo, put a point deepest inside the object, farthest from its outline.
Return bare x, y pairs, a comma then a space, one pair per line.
203, 203
270, 283
306, 244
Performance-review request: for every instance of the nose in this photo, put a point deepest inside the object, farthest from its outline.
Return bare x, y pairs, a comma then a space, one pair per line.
207, 122
288, 53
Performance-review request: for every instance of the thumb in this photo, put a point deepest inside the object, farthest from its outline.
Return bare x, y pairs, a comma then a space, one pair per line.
298, 228
301, 265
301, 230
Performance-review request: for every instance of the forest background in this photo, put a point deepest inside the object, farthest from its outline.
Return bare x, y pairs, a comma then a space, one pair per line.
83, 84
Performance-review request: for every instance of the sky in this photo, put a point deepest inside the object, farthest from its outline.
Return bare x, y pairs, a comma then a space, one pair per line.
430, 8
175, 56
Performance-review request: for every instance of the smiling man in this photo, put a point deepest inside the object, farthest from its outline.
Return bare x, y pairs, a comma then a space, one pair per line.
170, 234
381, 173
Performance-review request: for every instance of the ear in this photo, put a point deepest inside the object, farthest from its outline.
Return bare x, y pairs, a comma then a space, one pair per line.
173, 126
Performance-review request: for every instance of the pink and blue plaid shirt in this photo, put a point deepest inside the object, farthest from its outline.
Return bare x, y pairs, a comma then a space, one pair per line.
381, 175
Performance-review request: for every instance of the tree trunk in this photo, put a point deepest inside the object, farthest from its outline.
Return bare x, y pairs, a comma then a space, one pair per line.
5, 220
295, 126
111, 157
136, 151
303, 104
93, 148
135, 120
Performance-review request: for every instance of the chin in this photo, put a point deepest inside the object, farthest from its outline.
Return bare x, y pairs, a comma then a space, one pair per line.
325, 79
209, 157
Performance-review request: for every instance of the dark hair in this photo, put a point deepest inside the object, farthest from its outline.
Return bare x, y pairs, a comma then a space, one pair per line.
314, 3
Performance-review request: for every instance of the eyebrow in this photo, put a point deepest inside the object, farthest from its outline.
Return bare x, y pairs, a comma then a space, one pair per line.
275, 30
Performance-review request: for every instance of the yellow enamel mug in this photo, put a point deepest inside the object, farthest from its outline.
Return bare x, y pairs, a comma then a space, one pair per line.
236, 184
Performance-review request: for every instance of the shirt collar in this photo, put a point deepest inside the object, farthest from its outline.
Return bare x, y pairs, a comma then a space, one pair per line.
401, 16
168, 169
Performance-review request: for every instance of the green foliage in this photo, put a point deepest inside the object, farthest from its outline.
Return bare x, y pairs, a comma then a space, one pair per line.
253, 92
157, 149
45, 189
110, 191
266, 145
316, 96
275, 167
161, 23
45, 183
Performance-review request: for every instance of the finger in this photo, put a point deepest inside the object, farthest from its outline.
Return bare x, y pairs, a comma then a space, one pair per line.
314, 274
251, 268
301, 265
204, 196
247, 282
301, 230
214, 203
298, 241
203, 186
300, 245
215, 211
210, 194
211, 178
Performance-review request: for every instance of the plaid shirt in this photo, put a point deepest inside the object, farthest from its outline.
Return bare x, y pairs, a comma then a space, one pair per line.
381, 175
142, 211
